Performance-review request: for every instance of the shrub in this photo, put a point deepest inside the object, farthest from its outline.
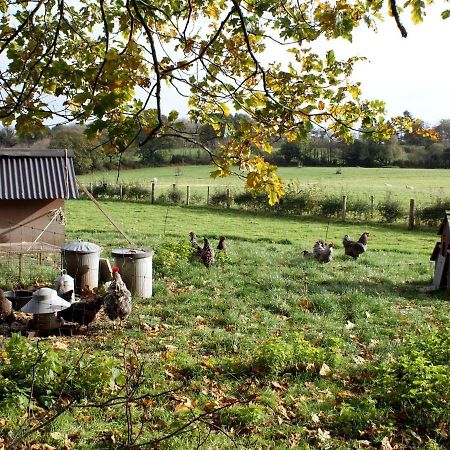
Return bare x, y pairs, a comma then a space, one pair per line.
301, 200
391, 210
251, 200
417, 382
219, 198
136, 192
174, 195
359, 207
331, 206
433, 214
43, 374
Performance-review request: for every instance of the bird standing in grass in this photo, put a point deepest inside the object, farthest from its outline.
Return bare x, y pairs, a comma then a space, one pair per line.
321, 251
117, 301
207, 255
355, 248
195, 244
6, 310
222, 245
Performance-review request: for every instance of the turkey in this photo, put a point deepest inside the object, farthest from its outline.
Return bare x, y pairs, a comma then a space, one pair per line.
355, 248
207, 255
6, 310
117, 301
222, 245
195, 244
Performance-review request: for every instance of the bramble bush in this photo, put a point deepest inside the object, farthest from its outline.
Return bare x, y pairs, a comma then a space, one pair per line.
40, 374
416, 383
391, 209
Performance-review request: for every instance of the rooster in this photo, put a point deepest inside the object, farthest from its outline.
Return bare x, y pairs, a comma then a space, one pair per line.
117, 301
222, 245
193, 239
207, 255
6, 310
355, 248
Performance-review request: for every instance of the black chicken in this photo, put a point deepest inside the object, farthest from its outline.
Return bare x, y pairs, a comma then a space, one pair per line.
82, 312
222, 245
6, 310
355, 248
207, 256
117, 300
195, 244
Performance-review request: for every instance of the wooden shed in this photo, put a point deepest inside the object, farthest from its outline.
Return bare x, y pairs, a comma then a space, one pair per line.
441, 255
33, 187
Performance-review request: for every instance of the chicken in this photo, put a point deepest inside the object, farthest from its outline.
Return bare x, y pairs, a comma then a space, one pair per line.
321, 251
195, 244
222, 245
355, 248
6, 311
207, 255
82, 312
117, 301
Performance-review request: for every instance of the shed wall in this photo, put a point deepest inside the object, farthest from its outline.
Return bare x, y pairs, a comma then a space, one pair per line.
24, 220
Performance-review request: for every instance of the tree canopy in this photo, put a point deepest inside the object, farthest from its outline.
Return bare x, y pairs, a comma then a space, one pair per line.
109, 63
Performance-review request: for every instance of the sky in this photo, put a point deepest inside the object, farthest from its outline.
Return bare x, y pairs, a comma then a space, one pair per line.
407, 73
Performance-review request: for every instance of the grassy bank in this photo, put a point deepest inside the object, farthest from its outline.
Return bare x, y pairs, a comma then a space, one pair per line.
266, 349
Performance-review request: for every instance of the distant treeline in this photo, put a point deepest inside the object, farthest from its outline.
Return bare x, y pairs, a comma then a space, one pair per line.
406, 150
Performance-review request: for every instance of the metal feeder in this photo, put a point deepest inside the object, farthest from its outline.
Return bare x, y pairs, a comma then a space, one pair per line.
44, 305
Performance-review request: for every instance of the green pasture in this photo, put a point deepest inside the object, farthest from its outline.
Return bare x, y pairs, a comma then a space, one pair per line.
420, 184
265, 349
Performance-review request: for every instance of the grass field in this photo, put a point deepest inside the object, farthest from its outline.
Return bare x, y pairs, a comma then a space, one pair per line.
423, 184
266, 349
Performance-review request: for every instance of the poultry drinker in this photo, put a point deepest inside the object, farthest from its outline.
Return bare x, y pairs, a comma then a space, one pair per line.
44, 305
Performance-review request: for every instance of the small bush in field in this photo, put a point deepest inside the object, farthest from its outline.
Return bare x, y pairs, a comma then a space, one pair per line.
47, 373
301, 200
136, 192
391, 210
417, 382
331, 206
251, 200
219, 198
433, 214
174, 196
359, 207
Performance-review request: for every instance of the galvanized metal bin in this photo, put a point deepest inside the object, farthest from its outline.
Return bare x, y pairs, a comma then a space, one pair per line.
81, 261
135, 266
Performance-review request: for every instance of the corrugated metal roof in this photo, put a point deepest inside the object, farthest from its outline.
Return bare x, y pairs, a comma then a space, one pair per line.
37, 175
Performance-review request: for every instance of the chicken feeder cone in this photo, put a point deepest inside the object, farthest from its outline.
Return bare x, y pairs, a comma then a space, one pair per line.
44, 305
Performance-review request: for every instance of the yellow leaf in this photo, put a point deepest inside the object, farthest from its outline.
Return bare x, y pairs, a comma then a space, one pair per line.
321, 105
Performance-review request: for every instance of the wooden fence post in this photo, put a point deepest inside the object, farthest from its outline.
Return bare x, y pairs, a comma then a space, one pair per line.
372, 205
228, 198
91, 186
207, 196
188, 195
412, 213
344, 207
174, 186
152, 197
121, 191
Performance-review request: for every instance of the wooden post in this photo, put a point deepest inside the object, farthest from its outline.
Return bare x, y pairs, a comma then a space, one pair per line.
91, 186
174, 186
188, 195
228, 198
372, 205
152, 198
20, 267
344, 207
412, 213
121, 191
207, 195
